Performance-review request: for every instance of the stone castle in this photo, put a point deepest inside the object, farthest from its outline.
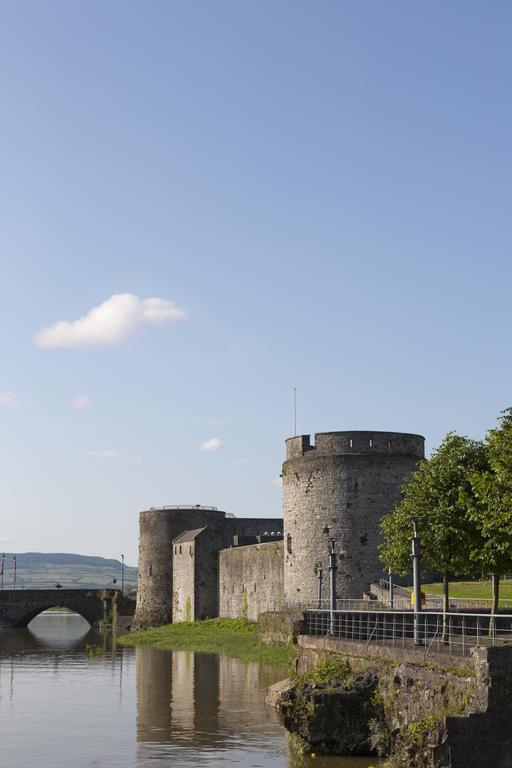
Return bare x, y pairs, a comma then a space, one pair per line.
200, 562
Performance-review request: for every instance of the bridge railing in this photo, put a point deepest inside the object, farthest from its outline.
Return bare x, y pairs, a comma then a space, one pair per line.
451, 633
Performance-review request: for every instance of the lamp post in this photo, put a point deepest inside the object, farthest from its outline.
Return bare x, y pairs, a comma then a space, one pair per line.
391, 589
416, 553
2, 570
320, 577
122, 574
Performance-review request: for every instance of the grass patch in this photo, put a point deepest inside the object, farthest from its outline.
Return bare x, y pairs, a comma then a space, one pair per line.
333, 669
474, 591
232, 637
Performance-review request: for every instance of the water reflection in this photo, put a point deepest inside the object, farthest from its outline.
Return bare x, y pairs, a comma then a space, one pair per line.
193, 705
134, 709
202, 708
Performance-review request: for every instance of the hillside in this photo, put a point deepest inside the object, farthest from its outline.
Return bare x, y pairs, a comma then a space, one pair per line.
38, 570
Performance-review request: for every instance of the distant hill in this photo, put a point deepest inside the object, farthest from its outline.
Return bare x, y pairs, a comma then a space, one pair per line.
38, 570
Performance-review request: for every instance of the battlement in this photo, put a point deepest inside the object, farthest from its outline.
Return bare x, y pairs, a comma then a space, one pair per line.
357, 442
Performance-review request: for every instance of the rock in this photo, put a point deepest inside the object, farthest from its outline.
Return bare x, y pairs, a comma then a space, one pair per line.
279, 692
332, 717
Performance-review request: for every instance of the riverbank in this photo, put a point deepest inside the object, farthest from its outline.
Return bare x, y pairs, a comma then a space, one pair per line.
233, 637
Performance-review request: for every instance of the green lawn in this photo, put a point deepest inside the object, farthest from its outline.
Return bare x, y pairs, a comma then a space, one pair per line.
233, 637
474, 590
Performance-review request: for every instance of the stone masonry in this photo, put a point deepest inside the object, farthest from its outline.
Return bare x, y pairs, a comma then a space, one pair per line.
195, 575
158, 528
340, 487
337, 488
251, 580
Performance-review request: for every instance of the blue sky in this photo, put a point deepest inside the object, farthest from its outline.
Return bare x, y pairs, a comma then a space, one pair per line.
319, 195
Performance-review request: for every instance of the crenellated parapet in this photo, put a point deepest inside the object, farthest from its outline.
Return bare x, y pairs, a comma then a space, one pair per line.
352, 442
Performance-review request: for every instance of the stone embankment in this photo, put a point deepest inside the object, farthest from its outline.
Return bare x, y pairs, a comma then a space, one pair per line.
441, 712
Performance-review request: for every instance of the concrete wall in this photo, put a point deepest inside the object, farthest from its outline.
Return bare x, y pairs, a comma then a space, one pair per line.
345, 482
251, 580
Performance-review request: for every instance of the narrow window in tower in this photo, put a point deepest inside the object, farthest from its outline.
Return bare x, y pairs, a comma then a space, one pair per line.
150, 570
350, 443
180, 549
389, 445
289, 542
371, 443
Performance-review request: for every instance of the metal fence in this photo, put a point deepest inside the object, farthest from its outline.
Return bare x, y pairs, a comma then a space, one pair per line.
435, 602
452, 633
341, 604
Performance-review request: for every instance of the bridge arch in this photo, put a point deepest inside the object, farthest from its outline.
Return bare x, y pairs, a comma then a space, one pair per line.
19, 607
25, 620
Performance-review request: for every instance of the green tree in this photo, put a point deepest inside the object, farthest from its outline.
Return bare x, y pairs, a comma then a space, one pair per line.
437, 496
490, 506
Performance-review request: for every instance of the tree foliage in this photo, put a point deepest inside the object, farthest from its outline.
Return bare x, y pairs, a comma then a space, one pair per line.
462, 500
490, 506
436, 496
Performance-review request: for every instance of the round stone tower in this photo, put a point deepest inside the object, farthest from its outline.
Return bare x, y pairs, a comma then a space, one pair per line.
339, 488
158, 527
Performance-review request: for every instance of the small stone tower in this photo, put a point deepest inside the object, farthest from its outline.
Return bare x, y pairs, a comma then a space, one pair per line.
157, 529
340, 488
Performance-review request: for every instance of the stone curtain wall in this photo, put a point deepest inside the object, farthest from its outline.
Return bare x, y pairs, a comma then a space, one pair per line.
250, 526
345, 483
250, 580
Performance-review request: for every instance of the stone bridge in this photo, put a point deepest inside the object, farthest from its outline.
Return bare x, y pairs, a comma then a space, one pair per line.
19, 606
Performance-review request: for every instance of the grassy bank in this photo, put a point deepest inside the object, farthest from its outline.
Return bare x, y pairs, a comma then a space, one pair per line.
233, 637
473, 590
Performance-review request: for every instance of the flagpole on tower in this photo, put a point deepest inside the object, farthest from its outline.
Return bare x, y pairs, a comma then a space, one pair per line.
295, 411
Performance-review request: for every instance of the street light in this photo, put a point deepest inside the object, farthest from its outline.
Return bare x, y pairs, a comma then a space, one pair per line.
333, 567
320, 576
416, 553
122, 574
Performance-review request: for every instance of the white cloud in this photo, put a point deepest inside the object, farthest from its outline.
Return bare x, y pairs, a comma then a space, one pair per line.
240, 460
106, 454
9, 399
211, 445
109, 323
80, 402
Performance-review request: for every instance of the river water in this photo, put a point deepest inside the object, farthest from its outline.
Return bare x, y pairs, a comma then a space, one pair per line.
61, 706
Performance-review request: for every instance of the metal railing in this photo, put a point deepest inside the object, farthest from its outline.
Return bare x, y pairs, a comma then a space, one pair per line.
436, 601
341, 604
451, 633
183, 506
